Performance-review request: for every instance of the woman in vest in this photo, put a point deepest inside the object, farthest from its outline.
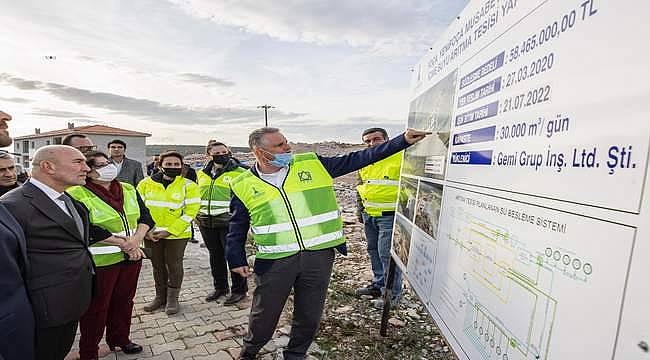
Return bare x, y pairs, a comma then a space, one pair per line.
173, 202
214, 217
117, 208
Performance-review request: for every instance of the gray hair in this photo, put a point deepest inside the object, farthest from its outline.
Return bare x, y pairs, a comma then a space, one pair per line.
255, 137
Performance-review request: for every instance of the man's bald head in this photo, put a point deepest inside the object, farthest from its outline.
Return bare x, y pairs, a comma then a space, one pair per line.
5, 139
59, 166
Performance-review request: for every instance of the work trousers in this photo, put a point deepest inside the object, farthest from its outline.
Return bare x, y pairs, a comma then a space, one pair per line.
167, 261
379, 233
215, 241
110, 308
54, 343
308, 273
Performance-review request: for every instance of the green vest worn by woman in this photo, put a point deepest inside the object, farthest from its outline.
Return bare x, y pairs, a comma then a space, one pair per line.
380, 182
215, 193
104, 216
302, 215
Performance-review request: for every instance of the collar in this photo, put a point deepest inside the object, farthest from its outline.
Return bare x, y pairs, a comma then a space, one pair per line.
51, 193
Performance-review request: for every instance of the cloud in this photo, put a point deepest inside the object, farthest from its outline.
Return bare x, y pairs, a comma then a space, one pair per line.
346, 130
16, 100
146, 109
206, 80
383, 27
58, 114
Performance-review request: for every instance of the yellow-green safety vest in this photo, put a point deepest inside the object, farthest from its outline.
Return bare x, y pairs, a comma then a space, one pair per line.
172, 208
104, 216
379, 185
301, 215
215, 193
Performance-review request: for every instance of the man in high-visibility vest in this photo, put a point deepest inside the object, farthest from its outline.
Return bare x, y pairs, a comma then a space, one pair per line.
288, 202
378, 194
214, 217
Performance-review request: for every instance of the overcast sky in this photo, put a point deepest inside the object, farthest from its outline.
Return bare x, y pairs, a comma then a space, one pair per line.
190, 70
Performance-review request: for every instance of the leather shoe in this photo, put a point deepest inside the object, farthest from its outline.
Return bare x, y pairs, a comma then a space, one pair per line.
130, 348
216, 294
234, 298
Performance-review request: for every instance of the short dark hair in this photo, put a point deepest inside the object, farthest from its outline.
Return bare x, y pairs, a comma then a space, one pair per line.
375, 129
92, 155
213, 143
170, 153
116, 141
67, 140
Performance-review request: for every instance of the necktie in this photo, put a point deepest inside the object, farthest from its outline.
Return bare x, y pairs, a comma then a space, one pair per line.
73, 213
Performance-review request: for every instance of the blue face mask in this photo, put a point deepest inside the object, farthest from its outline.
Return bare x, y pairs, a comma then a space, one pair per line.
281, 160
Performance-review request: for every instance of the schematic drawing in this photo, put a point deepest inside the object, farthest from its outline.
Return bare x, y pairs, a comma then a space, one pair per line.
421, 263
509, 310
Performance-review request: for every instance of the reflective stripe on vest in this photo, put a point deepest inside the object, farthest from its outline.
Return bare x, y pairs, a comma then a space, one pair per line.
312, 220
379, 187
104, 216
104, 250
301, 215
173, 207
215, 193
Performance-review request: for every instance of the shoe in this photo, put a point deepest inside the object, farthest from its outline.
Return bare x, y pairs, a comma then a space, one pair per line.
368, 291
172, 300
246, 356
216, 294
194, 241
159, 301
130, 348
234, 298
379, 303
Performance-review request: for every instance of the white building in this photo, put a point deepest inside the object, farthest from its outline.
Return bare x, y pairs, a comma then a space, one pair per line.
100, 135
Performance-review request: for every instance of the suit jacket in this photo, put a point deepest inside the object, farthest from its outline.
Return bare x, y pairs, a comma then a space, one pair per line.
60, 278
16, 317
131, 172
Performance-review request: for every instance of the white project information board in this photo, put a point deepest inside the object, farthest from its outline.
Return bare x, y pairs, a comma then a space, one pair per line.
523, 221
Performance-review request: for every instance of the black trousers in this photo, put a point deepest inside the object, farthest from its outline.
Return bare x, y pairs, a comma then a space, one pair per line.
308, 273
215, 241
54, 343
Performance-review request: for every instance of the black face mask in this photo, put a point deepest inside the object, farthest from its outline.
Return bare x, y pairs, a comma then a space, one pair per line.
172, 172
221, 159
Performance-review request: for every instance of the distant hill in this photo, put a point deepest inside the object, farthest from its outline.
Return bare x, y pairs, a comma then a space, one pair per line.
152, 150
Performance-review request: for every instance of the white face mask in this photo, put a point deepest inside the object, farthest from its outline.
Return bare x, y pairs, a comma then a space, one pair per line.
107, 173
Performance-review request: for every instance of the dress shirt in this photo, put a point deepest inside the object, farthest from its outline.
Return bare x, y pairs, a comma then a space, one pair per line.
52, 194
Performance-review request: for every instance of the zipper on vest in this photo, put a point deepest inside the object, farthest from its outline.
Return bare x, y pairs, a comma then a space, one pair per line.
292, 217
127, 231
210, 194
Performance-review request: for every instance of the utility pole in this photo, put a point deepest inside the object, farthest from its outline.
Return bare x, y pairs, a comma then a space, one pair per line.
266, 113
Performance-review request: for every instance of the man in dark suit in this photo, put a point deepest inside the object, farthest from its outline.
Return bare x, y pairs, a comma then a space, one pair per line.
56, 227
16, 317
128, 170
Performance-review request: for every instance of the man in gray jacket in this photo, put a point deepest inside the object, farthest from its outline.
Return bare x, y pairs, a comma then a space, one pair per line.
128, 170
